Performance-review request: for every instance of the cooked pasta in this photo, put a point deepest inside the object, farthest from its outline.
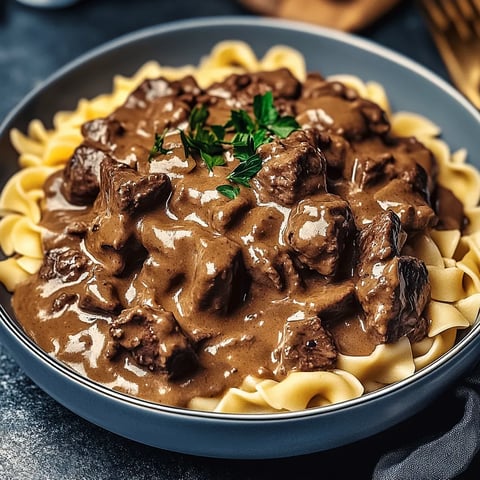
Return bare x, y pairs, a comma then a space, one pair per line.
452, 257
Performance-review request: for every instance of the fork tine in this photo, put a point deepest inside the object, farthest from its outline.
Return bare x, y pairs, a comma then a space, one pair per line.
455, 13
475, 19
476, 3
467, 8
455, 28
471, 13
434, 14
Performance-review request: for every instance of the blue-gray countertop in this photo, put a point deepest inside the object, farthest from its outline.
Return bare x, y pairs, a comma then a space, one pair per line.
40, 439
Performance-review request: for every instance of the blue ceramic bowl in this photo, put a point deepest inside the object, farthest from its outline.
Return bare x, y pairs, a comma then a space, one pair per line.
409, 86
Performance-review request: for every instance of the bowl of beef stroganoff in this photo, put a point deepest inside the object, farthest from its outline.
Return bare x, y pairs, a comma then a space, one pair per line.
241, 235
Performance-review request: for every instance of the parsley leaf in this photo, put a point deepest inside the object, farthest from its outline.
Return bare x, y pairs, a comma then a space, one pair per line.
198, 117
264, 109
207, 142
240, 121
245, 171
230, 191
243, 146
212, 160
284, 126
248, 135
157, 148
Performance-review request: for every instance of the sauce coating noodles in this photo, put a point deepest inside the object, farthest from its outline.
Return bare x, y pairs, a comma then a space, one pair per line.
451, 255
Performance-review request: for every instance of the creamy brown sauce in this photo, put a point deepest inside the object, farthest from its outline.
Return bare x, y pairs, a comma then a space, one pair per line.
157, 285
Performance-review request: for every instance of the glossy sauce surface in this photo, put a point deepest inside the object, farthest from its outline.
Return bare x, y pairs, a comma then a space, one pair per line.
156, 284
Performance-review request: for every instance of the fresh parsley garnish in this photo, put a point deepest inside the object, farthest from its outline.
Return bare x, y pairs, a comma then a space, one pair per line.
230, 191
207, 142
246, 170
158, 148
248, 135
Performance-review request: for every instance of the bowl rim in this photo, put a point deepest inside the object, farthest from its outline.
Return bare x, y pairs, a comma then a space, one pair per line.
352, 40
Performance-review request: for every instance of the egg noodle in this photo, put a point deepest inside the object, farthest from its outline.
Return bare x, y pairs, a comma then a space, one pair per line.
452, 257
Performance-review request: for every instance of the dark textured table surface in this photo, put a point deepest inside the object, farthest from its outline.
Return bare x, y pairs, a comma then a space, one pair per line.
40, 439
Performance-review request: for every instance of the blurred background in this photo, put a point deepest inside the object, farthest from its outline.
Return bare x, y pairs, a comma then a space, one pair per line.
34, 42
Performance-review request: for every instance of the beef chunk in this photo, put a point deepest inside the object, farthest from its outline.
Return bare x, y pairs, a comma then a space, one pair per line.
220, 281
271, 266
335, 149
65, 264
227, 213
155, 340
102, 132
316, 86
238, 92
95, 293
317, 230
332, 301
243, 87
393, 290
267, 262
382, 239
408, 150
449, 208
150, 90
293, 168
369, 170
375, 117
161, 105
394, 298
332, 106
306, 346
401, 196
98, 294
124, 194
81, 175
133, 193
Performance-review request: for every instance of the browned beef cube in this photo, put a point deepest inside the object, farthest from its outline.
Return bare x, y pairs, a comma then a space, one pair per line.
316, 86
81, 175
153, 89
393, 290
414, 211
334, 147
374, 116
132, 192
155, 340
220, 281
336, 108
417, 177
244, 87
65, 264
317, 230
408, 151
95, 293
282, 83
450, 210
332, 301
368, 170
124, 193
393, 296
102, 132
98, 294
268, 263
293, 168
382, 239
225, 214
238, 92
306, 346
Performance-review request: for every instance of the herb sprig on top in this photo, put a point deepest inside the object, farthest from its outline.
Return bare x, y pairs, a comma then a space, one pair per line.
248, 135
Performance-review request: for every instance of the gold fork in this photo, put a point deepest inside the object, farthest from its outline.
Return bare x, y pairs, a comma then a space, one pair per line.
455, 28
